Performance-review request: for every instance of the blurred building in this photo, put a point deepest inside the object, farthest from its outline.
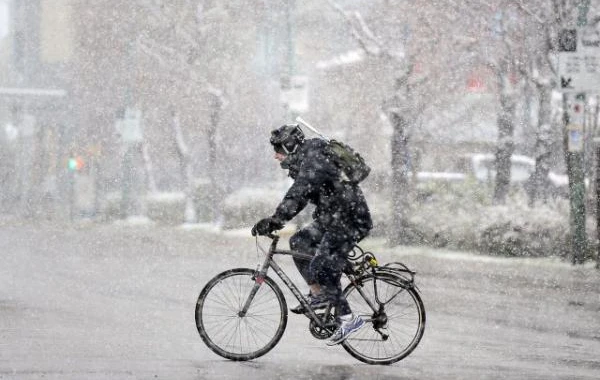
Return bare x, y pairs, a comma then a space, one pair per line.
35, 51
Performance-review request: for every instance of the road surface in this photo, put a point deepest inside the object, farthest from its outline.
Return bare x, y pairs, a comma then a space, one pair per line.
117, 302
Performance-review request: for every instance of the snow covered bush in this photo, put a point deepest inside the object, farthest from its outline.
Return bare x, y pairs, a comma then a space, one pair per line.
461, 216
162, 207
166, 208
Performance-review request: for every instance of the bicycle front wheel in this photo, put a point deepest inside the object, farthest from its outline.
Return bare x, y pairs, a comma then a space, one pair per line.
393, 331
226, 330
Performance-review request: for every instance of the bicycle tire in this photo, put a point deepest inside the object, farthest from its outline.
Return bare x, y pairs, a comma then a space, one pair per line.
405, 320
221, 327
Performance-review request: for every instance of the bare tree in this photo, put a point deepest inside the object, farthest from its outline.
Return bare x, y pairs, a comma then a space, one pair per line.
421, 61
502, 54
176, 40
506, 126
544, 20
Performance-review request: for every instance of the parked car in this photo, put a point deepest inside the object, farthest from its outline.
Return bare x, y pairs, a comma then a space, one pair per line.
482, 167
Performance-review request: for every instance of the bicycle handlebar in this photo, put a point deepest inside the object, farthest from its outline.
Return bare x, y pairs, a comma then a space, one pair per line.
274, 239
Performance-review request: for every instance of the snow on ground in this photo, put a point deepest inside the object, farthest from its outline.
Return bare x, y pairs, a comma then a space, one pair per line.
112, 301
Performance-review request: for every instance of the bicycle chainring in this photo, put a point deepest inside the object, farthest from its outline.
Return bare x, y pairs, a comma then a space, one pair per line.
320, 332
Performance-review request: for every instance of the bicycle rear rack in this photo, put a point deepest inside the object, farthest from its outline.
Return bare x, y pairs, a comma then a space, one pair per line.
401, 272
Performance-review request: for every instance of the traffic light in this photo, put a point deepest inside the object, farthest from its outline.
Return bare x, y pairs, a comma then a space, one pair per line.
75, 164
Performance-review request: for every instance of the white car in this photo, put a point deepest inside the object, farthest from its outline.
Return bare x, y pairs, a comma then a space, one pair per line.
482, 167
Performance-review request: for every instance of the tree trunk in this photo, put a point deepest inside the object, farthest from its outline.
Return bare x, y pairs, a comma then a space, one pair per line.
215, 115
543, 148
186, 171
506, 144
216, 104
133, 189
151, 181
400, 186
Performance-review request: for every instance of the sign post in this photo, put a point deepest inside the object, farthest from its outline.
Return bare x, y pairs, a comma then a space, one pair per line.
131, 133
579, 73
597, 146
574, 110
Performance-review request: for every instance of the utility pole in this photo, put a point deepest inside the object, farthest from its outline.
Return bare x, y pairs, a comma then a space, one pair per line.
597, 144
574, 107
286, 78
294, 87
129, 126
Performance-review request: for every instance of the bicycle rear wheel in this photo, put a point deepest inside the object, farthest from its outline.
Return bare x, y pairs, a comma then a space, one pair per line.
230, 334
401, 318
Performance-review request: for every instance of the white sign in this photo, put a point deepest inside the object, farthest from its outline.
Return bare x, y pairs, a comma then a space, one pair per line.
575, 138
579, 67
130, 127
295, 94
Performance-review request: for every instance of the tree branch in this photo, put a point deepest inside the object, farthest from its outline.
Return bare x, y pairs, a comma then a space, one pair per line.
363, 35
524, 8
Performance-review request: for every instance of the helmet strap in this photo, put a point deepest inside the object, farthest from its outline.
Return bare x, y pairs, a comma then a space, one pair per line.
287, 151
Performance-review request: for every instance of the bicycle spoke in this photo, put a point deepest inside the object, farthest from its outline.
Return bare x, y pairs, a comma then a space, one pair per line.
403, 321
234, 335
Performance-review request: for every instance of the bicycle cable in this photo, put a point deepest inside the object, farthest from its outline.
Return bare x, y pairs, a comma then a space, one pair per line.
259, 249
356, 253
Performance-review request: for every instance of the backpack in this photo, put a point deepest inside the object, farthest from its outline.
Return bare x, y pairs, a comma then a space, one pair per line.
353, 167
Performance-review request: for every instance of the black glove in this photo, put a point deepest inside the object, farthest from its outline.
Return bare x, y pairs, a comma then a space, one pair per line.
266, 226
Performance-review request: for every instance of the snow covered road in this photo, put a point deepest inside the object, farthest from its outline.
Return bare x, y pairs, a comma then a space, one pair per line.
117, 302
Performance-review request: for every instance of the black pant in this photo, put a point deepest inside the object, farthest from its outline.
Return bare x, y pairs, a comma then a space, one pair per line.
330, 251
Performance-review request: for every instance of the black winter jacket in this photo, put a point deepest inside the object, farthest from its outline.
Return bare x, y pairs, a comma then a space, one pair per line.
340, 206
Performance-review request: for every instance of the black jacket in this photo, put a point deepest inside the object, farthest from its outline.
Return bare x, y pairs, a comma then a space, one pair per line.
340, 206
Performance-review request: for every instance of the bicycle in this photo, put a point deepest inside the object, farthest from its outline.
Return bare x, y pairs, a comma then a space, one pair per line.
241, 314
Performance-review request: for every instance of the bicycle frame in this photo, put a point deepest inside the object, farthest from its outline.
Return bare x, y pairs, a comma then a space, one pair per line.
269, 262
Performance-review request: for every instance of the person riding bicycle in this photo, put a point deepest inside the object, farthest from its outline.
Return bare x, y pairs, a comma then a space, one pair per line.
340, 220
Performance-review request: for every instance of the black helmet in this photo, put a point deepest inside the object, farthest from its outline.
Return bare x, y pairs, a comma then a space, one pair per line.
286, 138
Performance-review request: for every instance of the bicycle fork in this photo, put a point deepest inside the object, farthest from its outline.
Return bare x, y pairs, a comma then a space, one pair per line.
259, 279
258, 282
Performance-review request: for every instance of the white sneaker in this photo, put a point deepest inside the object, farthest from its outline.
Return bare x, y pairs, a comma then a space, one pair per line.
346, 329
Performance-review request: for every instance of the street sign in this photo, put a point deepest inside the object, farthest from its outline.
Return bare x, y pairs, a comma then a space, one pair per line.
575, 111
575, 138
579, 59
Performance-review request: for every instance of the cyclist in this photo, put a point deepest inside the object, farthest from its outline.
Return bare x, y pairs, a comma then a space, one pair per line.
340, 220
